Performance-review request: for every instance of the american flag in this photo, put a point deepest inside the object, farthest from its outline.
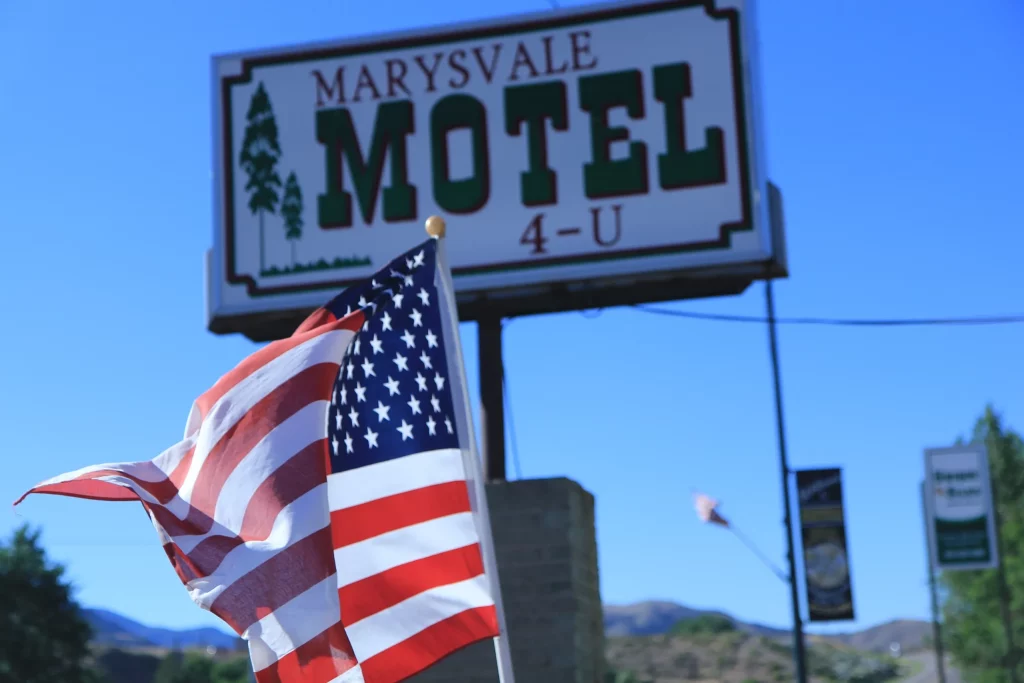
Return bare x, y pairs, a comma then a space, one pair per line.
319, 503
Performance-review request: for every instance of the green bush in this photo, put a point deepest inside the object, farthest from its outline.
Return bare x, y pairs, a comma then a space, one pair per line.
614, 676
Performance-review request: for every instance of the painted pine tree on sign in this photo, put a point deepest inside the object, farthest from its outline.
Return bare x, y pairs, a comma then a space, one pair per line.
291, 211
259, 156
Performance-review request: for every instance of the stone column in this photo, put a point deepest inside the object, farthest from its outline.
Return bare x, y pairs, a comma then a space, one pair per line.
546, 544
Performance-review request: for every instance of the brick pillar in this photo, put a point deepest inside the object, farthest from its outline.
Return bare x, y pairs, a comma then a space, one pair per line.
546, 545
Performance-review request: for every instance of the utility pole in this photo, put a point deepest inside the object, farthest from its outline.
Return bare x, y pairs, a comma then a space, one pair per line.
799, 654
940, 656
1004, 586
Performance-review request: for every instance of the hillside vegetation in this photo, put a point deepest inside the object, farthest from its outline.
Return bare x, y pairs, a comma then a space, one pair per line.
710, 647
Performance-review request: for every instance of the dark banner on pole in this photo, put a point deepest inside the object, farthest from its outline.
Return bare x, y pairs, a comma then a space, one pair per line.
823, 530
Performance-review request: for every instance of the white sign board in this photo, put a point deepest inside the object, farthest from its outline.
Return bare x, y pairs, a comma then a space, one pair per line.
958, 505
610, 142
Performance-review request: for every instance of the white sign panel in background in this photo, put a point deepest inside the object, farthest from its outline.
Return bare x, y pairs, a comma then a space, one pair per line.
567, 146
958, 503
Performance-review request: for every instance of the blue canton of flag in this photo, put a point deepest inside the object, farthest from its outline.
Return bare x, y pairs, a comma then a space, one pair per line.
392, 397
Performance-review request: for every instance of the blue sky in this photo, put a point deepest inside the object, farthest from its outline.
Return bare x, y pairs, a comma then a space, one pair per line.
893, 129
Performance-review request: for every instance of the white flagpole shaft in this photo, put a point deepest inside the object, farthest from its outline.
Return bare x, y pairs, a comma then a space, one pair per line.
471, 456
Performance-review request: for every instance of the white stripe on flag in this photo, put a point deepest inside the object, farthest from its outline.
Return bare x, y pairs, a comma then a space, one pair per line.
288, 438
353, 675
241, 398
395, 548
378, 632
391, 477
152, 471
297, 520
293, 624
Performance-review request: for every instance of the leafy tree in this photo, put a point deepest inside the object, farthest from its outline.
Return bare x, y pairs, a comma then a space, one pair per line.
169, 668
705, 623
43, 634
617, 676
194, 667
129, 667
238, 670
184, 668
291, 210
259, 156
972, 608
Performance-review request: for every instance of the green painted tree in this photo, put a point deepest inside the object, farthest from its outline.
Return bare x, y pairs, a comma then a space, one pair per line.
259, 156
972, 604
291, 211
44, 636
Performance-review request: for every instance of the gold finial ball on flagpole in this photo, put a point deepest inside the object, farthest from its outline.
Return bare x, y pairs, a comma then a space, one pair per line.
435, 226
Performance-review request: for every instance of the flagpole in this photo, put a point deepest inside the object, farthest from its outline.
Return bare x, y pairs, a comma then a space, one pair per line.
436, 228
799, 653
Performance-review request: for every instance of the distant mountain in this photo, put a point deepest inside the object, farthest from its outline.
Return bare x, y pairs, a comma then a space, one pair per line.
645, 618
114, 630
657, 617
638, 619
909, 633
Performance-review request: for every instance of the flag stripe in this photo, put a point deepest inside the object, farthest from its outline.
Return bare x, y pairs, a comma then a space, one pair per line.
287, 439
93, 489
317, 318
282, 352
149, 475
366, 558
179, 560
301, 474
361, 522
311, 383
390, 477
245, 394
237, 605
381, 591
294, 624
384, 630
307, 515
322, 658
432, 644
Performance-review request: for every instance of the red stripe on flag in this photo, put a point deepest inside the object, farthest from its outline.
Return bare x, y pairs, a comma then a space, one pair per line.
313, 383
297, 477
305, 563
268, 353
431, 645
206, 557
178, 474
320, 660
388, 588
90, 489
163, 490
360, 522
301, 474
320, 316
179, 560
87, 486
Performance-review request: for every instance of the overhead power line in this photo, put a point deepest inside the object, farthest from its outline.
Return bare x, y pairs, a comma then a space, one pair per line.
838, 322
